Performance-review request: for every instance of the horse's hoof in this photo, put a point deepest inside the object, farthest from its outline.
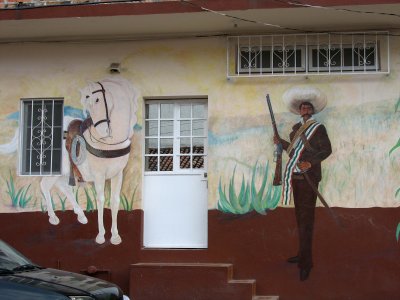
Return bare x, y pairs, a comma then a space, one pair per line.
116, 240
100, 239
53, 220
82, 219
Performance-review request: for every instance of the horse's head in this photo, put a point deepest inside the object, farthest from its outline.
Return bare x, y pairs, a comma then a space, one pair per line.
98, 102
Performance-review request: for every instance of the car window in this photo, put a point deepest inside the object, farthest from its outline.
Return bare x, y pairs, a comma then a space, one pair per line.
11, 258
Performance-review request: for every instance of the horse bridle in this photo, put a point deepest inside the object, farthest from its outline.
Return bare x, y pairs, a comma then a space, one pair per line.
107, 119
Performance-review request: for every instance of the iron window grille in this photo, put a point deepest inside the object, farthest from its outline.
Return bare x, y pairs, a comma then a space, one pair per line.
308, 54
269, 59
41, 137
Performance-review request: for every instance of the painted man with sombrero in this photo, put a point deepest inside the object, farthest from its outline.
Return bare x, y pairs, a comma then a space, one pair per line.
309, 146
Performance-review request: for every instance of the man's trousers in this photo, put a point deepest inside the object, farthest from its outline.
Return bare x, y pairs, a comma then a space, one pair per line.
304, 200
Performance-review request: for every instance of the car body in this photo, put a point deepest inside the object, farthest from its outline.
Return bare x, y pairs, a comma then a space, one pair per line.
20, 279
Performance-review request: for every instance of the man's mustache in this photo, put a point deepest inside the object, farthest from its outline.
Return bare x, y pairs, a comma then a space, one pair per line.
309, 115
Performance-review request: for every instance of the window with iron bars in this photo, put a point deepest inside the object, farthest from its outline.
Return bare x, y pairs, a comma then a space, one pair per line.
41, 136
303, 54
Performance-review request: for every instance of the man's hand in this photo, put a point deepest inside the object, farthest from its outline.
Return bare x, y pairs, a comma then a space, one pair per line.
277, 139
304, 165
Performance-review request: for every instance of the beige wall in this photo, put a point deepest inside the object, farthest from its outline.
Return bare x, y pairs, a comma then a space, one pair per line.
360, 117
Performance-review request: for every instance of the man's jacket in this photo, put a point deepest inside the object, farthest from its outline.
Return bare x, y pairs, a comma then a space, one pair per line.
316, 150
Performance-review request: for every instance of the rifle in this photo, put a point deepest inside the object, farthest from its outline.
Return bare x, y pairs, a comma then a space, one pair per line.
279, 149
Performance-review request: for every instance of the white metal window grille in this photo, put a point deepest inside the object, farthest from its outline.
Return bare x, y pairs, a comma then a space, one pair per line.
41, 136
358, 57
175, 135
267, 59
308, 54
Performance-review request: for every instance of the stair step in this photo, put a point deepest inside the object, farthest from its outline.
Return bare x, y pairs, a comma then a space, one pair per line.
250, 283
203, 281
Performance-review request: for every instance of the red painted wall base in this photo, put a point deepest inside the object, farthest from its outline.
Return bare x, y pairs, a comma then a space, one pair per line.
361, 261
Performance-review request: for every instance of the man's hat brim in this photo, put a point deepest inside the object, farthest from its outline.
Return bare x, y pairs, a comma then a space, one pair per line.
295, 96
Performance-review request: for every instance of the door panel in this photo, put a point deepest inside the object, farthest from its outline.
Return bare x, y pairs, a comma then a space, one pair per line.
175, 181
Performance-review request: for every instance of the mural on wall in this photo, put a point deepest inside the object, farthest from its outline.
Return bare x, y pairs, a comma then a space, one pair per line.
98, 150
361, 128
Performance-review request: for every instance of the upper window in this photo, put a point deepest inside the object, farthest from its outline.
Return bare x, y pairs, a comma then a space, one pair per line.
308, 54
41, 136
344, 58
268, 59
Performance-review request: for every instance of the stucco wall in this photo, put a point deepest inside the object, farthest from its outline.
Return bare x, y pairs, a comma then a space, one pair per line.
361, 116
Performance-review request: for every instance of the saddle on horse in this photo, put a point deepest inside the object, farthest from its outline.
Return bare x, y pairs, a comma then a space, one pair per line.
74, 129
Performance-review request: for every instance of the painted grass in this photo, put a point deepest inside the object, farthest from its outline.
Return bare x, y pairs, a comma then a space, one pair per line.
397, 108
125, 203
20, 197
249, 197
398, 232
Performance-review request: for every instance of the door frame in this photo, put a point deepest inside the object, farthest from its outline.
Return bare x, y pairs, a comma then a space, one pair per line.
174, 99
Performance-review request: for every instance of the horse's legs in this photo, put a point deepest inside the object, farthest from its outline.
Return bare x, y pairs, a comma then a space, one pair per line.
45, 185
99, 184
116, 183
66, 189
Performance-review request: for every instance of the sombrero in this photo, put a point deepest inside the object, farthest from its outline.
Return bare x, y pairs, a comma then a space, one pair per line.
294, 96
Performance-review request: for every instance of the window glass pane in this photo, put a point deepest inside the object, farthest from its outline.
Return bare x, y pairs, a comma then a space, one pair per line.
292, 58
27, 111
166, 146
58, 113
198, 128
35, 162
250, 58
166, 163
320, 58
151, 111
198, 162
198, 145
347, 57
151, 128
185, 111
336, 57
26, 160
151, 146
37, 113
57, 138
167, 111
48, 113
46, 162
151, 163
198, 111
167, 128
56, 160
278, 59
364, 56
184, 162
266, 59
185, 128
185, 145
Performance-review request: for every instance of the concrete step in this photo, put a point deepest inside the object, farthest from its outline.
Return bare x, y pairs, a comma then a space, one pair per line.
265, 298
182, 281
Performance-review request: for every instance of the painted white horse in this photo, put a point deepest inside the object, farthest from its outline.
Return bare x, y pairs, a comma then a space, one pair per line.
112, 105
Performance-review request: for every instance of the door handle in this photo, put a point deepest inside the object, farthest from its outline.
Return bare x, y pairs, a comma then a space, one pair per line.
205, 178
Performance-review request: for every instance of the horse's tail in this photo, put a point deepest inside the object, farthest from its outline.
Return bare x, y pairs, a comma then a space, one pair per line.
11, 146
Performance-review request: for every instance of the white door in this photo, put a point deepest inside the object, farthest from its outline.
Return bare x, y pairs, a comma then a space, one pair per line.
175, 175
